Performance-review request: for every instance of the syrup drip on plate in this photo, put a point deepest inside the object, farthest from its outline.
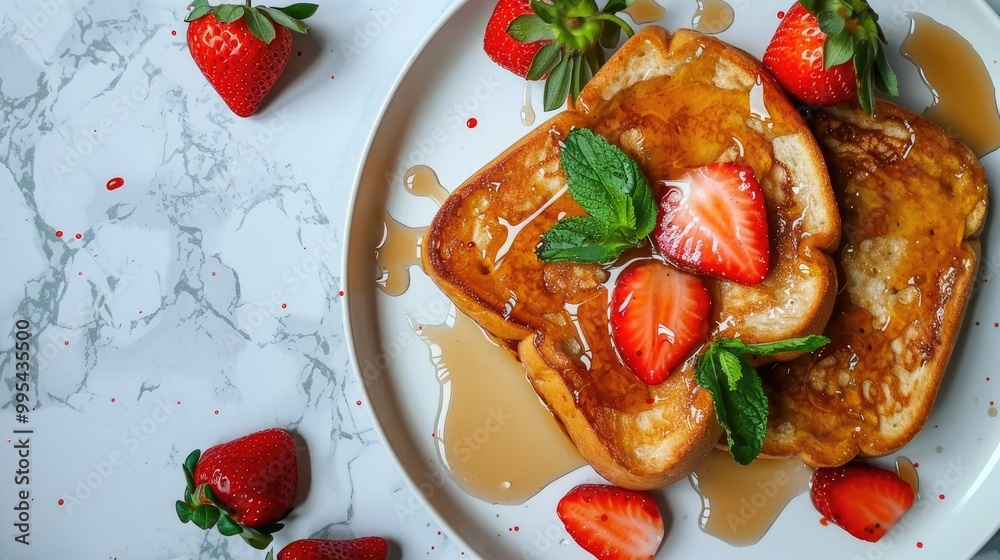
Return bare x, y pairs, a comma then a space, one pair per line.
527, 111
645, 11
908, 472
495, 437
421, 180
713, 16
398, 250
399, 246
964, 95
739, 504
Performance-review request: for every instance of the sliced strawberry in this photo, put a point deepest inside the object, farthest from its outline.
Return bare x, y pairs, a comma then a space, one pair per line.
364, 548
865, 501
501, 47
659, 315
713, 220
611, 522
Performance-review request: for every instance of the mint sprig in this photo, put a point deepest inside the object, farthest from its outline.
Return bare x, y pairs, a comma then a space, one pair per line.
852, 31
741, 406
260, 20
611, 188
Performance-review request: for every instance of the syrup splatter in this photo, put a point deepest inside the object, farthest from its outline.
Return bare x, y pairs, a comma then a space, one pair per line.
115, 183
472, 123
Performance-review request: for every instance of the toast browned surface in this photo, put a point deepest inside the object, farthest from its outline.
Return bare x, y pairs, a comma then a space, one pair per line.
672, 103
913, 202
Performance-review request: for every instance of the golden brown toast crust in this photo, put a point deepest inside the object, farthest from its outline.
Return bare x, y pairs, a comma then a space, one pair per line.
913, 202
669, 103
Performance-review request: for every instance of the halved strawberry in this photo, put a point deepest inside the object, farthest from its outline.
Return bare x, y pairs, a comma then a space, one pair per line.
611, 522
659, 315
864, 500
713, 220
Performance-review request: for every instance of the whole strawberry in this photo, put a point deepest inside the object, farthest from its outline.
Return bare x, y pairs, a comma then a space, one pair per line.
364, 548
825, 52
240, 49
244, 487
562, 40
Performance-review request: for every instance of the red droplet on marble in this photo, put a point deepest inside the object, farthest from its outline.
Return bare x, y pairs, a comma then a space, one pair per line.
8, 440
284, 306
59, 233
341, 292
65, 343
79, 236
781, 15
216, 412
115, 183
174, 32
140, 312
920, 544
112, 399
916, 465
996, 324
516, 528
472, 123
333, 77
213, 274
977, 323
358, 403
439, 532
178, 402
940, 496
824, 521
61, 501
79, 274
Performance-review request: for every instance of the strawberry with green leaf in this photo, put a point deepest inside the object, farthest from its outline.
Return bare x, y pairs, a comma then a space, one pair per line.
825, 52
243, 487
242, 49
563, 39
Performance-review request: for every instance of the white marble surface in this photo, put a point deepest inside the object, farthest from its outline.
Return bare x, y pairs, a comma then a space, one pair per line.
201, 300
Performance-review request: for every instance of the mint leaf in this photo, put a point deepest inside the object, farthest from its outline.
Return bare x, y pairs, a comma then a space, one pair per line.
741, 409
804, 345
601, 177
741, 406
609, 185
577, 239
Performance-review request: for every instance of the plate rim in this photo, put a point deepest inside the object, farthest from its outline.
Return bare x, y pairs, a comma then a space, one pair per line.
977, 490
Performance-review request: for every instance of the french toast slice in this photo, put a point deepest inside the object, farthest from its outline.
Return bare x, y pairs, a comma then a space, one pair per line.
913, 202
672, 103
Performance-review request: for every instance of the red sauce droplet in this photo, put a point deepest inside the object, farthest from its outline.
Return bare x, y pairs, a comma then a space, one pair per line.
65, 343
213, 274
996, 324
216, 412
333, 77
61, 501
781, 15
941, 496
178, 402
916, 465
977, 323
824, 521
79, 274
341, 292
516, 528
284, 306
79, 236
920, 544
358, 403
115, 183
59, 233
472, 122
174, 32
112, 399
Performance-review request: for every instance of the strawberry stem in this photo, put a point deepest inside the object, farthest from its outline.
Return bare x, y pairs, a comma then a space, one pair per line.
617, 21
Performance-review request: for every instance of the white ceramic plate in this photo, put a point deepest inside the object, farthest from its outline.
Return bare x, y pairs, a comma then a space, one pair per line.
451, 80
